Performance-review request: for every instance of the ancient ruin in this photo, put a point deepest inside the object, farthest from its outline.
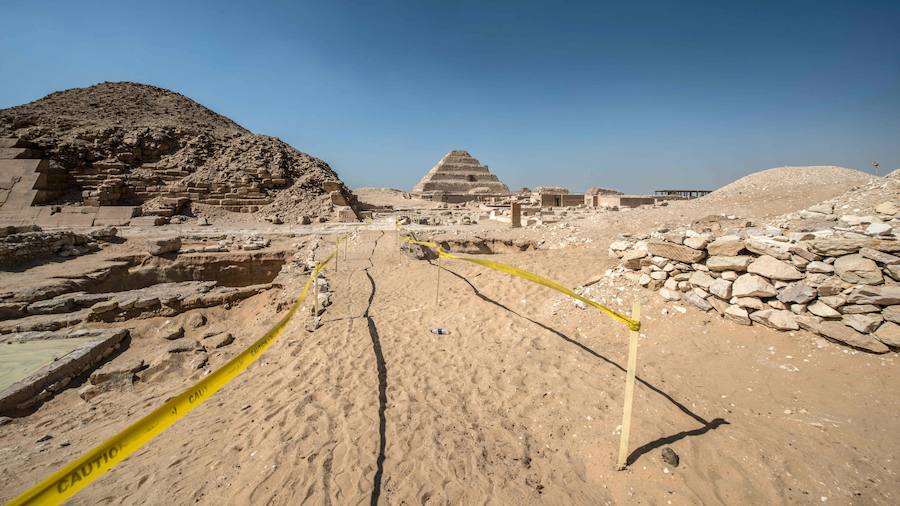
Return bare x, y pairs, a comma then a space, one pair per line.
128, 144
458, 173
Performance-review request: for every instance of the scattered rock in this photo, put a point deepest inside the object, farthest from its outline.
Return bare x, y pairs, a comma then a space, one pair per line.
865, 323
221, 340
858, 269
117, 371
670, 295
675, 252
773, 268
720, 288
696, 300
737, 314
820, 267
183, 344
776, 319
726, 245
751, 285
819, 309
798, 292
840, 332
732, 263
170, 331
196, 321
885, 295
163, 246
889, 334
670, 457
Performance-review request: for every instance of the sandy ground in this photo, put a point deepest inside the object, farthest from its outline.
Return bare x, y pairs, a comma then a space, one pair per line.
520, 404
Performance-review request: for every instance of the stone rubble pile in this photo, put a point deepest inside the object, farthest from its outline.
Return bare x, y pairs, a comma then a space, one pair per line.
841, 282
28, 243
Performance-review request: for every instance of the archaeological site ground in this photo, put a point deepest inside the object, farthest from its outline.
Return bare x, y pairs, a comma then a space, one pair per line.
148, 244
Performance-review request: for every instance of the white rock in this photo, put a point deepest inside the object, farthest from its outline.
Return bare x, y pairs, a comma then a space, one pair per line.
751, 285
738, 315
820, 309
773, 268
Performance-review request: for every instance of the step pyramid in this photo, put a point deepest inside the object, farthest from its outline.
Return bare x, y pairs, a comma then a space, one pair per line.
459, 173
26, 179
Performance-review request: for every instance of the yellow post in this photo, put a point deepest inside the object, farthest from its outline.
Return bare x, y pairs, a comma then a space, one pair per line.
629, 387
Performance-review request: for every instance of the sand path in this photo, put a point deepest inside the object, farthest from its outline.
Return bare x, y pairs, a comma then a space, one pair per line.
520, 404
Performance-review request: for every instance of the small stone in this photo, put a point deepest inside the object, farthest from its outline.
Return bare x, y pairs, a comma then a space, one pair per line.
170, 331
701, 279
222, 340
891, 314
889, 334
878, 228
696, 242
749, 302
4, 420
865, 323
669, 456
777, 319
820, 267
887, 208
696, 300
164, 245
729, 275
45, 437
879, 256
819, 309
840, 332
773, 268
721, 288
732, 263
858, 269
196, 320
726, 245
798, 292
738, 315
885, 295
859, 308
670, 295
751, 285
182, 345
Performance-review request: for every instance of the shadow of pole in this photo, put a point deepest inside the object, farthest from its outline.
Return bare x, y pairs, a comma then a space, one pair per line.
382, 394
707, 425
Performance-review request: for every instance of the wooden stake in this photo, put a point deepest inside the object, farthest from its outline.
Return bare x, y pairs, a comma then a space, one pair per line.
437, 289
629, 387
315, 298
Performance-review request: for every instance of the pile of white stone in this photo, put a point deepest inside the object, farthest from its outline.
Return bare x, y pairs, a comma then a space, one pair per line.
839, 282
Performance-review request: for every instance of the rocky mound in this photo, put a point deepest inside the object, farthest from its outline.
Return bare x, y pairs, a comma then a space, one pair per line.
127, 143
777, 191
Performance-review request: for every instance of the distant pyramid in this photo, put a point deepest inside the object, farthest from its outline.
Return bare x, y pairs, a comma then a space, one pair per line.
457, 173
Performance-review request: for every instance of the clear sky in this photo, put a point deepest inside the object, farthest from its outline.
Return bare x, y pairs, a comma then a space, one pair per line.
628, 95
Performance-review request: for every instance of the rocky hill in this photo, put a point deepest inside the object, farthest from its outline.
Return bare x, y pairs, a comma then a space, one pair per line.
129, 143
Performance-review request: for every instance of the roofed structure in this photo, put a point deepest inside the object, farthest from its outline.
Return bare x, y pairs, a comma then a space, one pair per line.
459, 173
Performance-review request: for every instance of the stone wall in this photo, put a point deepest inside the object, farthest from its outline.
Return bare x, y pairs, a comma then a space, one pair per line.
840, 283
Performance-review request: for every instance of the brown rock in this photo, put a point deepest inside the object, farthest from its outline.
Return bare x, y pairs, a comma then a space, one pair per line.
675, 252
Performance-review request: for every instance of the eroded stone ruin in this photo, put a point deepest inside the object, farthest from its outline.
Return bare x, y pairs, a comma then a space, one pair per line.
460, 173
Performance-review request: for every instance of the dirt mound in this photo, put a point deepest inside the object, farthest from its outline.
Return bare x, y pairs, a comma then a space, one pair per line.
780, 190
147, 142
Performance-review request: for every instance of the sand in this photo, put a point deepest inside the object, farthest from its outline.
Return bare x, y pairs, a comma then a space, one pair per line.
519, 404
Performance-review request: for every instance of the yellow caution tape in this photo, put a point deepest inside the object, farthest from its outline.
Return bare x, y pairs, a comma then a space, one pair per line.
515, 271
70, 479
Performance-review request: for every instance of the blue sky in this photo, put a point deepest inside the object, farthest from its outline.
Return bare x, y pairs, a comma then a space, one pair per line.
628, 95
